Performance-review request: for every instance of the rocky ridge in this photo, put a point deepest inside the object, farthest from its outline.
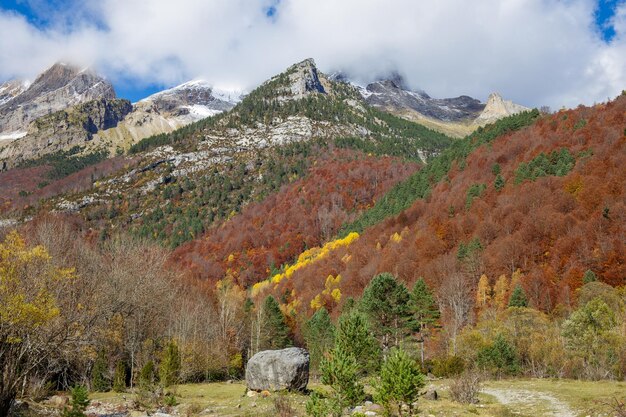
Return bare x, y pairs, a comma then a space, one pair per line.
497, 108
59, 87
67, 107
297, 105
169, 110
390, 94
457, 116
64, 129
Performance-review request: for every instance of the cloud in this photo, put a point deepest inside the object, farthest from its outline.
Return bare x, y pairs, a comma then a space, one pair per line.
533, 51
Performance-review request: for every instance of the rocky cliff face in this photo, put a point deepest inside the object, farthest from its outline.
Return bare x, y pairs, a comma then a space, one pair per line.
64, 129
458, 116
305, 79
66, 107
11, 89
169, 110
194, 97
390, 94
497, 108
59, 87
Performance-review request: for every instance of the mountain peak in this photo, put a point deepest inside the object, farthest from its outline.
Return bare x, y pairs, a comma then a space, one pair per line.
60, 86
304, 79
498, 108
396, 79
306, 63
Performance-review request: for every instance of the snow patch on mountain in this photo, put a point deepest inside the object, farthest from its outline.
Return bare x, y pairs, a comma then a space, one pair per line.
12, 135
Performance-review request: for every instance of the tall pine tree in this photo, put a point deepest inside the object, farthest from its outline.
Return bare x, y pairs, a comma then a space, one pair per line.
319, 334
353, 335
275, 333
385, 302
425, 312
518, 298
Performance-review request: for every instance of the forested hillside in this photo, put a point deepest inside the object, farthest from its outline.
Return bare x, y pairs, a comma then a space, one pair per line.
504, 253
547, 201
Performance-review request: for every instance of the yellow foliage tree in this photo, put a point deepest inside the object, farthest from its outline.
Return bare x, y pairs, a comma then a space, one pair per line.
331, 292
32, 326
501, 292
483, 293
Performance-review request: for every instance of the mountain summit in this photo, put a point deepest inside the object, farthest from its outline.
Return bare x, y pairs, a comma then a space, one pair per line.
457, 116
59, 87
498, 108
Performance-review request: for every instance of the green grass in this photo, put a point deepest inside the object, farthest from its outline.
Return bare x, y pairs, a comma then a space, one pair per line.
585, 398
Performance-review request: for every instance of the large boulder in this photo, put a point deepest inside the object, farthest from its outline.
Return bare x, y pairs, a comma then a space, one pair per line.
278, 369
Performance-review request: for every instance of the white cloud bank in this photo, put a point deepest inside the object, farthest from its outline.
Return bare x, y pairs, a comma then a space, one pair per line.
535, 52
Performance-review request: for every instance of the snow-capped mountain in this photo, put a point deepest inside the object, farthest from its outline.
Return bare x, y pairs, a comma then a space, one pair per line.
456, 116
50, 115
57, 88
193, 100
169, 110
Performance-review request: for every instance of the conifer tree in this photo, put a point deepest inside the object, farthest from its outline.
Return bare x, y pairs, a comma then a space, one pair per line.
385, 302
499, 358
354, 336
518, 297
589, 276
499, 182
319, 334
169, 369
275, 333
425, 311
146, 376
400, 382
340, 371
99, 381
119, 379
78, 403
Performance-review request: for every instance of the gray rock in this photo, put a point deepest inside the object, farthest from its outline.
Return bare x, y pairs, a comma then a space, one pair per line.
64, 129
278, 369
394, 94
57, 88
431, 394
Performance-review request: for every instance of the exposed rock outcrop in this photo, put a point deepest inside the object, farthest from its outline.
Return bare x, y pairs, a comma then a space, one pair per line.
497, 108
11, 89
276, 370
59, 87
64, 129
304, 79
458, 116
390, 94
169, 110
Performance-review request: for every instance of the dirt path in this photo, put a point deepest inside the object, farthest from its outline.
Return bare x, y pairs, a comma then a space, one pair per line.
531, 399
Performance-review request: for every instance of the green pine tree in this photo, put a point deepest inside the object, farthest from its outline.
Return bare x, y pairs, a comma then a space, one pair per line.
319, 334
99, 381
400, 382
500, 357
425, 311
78, 402
499, 183
340, 371
275, 333
169, 369
119, 379
385, 302
353, 335
589, 276
146, 375
518, 297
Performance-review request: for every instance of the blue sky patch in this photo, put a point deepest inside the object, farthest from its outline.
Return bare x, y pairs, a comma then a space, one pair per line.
604, 13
